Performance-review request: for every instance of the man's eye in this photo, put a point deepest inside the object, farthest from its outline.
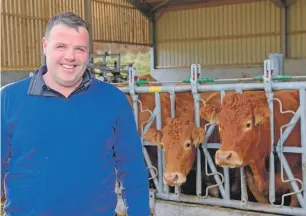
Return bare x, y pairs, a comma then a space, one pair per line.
80, 49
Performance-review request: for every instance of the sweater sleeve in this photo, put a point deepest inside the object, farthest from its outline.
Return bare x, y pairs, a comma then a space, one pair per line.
4, 139
130, 164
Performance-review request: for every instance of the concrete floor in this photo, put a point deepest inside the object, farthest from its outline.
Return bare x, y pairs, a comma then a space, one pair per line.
167, 208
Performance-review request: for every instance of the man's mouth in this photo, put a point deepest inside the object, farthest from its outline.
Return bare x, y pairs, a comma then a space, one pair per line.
68, 66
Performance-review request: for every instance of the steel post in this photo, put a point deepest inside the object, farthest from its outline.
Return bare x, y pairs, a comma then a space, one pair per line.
303, 137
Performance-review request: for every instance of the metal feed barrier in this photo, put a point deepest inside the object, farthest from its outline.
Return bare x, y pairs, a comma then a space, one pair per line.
269, 84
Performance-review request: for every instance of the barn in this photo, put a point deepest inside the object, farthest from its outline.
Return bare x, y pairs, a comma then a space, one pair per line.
225, 40
228, 38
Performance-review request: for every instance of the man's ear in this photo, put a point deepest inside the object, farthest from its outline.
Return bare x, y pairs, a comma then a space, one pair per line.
212, 107
44, 44
198, 135
153, 136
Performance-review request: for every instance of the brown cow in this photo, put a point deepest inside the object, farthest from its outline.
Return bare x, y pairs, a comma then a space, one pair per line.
244, 128
176, 133
178, 160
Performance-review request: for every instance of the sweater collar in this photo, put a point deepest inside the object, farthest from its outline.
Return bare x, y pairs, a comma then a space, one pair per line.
38, 86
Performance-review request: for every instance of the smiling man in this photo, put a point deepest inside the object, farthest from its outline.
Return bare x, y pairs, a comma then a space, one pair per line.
58, 158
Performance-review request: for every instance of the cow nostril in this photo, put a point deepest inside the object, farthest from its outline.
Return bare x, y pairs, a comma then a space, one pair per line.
229, 156
175, 177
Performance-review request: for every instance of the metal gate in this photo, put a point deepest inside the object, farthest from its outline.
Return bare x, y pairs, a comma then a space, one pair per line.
269, 84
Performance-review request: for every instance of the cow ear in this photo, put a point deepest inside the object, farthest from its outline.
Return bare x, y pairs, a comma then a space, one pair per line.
260, 109
153, 136
198, 135
212, 107
261, 114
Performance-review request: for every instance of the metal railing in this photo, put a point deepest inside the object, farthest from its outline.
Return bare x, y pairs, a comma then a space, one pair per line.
269, 84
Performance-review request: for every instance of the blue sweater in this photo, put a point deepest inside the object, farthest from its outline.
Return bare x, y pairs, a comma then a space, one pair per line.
63, 153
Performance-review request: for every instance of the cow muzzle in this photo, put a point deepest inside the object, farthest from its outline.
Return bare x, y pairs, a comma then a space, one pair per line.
228, 159
174, 178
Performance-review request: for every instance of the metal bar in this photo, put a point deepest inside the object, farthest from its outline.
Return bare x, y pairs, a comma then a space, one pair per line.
161, 159
149, 163
172, 100
288, 130
244, 191
146, 143
197, 121
150, 122
271, 159
285, 148
232, 204
211, 163
218, 87
243, 185
252, 86
226, 170
293, 183
303, 138
281, 156
213, 145
195, 74
293, 149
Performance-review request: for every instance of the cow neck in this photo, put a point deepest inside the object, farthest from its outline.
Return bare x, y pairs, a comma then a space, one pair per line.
261, 175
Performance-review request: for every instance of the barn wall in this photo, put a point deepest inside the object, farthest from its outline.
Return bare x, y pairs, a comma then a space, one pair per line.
23, 25
228, 41
119, 21
229, 35
297, 30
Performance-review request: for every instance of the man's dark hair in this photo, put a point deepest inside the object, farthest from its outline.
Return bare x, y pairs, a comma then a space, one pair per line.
67, 18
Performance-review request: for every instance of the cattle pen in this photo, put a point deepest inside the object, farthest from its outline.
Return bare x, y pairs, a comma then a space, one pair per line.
266, 82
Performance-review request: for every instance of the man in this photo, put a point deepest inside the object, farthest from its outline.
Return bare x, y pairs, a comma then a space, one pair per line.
58, 156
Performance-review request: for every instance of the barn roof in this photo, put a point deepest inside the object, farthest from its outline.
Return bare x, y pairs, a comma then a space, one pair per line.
148, 7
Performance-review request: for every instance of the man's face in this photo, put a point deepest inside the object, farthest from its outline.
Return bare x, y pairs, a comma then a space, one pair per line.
67, 52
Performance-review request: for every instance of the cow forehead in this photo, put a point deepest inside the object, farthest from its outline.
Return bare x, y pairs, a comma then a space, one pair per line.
235, 108
176, 135
235, 116
176, 132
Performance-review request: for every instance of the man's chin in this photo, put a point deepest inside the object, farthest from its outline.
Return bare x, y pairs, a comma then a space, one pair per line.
69, 82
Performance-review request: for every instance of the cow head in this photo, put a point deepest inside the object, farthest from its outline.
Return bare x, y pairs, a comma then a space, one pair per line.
243, 121
179, 139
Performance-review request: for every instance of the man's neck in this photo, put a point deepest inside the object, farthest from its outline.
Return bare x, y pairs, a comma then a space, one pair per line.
66, 91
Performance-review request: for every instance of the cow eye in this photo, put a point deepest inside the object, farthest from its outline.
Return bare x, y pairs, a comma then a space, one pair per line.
248, 124
188, 144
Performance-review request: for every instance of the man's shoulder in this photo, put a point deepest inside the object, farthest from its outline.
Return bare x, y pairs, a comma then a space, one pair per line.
107, 87
17, 87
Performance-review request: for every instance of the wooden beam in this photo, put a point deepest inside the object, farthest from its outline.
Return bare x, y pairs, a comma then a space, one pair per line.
290, 3
143, 8
151, 1
88, 19
284, 30
279, 3
212, 3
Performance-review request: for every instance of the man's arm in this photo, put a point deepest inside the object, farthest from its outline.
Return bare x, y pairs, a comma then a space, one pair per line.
132, 171
4, 141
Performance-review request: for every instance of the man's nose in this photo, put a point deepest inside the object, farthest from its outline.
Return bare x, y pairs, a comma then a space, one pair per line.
70, 55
